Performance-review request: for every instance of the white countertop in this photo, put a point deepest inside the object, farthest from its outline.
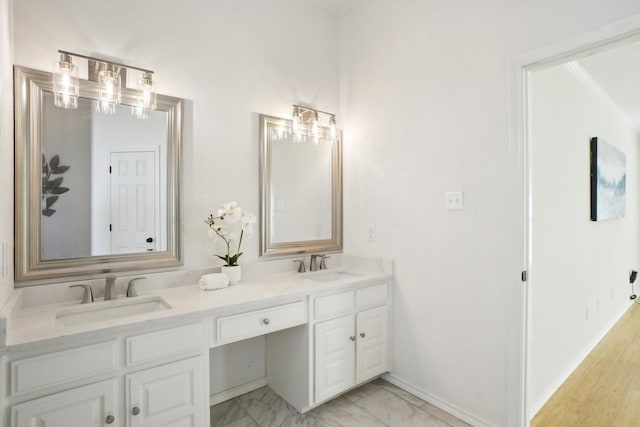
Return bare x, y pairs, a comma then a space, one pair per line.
34, 324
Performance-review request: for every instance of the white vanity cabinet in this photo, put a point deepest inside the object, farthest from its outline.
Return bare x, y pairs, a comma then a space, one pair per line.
161, 377
168, 395
345, 343
89, 406
352, 348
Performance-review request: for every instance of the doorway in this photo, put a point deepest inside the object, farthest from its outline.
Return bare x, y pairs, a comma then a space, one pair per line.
577, 268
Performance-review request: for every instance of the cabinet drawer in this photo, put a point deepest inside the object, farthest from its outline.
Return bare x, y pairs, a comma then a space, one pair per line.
333, 305
259, 322
166, 343
373, 295
35, 373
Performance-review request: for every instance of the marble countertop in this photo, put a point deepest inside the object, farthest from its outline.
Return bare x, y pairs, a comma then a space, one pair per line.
38, 323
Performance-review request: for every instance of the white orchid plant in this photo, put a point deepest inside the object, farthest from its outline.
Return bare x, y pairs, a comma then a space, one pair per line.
224, 225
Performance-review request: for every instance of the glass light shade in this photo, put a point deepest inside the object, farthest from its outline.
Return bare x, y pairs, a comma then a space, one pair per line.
295, 124
66, 87
146, 99
332, 128
315, 131
110, 91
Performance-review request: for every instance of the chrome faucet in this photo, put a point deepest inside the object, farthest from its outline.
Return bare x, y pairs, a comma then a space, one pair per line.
88, 293
131, 288
323, 262
301, 266
110, 288
313, 265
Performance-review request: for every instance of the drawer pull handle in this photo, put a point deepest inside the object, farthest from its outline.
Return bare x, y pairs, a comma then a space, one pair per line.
135, 410
362, 334
110, 419
352, 338
266, 321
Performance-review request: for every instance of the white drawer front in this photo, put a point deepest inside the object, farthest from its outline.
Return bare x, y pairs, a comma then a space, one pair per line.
373, 295
57, 368
258, 322
161, 344
333, 305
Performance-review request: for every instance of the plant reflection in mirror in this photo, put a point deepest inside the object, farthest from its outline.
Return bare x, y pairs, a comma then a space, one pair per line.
230, 219
51, 186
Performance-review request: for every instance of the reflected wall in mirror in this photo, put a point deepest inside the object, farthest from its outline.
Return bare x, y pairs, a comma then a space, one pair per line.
95, 193
301, 190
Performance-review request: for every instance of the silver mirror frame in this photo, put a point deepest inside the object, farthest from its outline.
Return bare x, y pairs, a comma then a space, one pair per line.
30, 268
268, 248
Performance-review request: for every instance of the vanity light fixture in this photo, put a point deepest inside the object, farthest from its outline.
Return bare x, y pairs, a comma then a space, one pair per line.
111, 77
65, 83
310, 118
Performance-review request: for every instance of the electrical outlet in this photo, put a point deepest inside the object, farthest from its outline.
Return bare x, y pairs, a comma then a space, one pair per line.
372, 232
453, 200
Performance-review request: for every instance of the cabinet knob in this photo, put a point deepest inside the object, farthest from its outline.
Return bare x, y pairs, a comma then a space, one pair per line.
135, 410
266, 321
362, 334
110, 419
352, 338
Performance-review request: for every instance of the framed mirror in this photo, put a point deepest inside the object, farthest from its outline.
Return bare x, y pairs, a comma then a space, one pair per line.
94, 193
300, 190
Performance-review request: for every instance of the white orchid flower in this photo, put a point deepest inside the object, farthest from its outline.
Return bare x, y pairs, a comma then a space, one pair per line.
232, 236
248, 218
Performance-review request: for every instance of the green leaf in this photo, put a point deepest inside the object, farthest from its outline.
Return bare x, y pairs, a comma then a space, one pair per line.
59, 190
45, 168
48, 212
51, 200
224, 258
60, 169
54, 162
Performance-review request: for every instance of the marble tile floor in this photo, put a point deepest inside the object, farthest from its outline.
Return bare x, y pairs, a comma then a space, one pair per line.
376, 404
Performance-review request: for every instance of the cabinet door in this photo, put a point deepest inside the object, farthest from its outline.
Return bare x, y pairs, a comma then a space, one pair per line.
168, 395
87, 406
335, 356
373, 347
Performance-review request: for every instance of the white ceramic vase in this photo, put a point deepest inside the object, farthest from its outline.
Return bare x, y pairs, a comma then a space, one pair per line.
233, 272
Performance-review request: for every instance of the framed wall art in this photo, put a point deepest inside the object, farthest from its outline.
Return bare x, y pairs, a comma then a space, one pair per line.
608, 181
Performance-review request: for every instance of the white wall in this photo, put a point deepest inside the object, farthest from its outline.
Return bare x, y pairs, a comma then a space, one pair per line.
6, 151
580, 268
425, 109
231, 60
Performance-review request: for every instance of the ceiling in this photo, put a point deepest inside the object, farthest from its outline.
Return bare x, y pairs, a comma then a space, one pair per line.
617, 72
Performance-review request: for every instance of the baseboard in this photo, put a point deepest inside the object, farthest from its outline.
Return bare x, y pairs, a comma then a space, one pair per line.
223, 396
564, 375
428, 397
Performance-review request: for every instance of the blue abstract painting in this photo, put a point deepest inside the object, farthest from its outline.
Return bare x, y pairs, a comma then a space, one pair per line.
608, 181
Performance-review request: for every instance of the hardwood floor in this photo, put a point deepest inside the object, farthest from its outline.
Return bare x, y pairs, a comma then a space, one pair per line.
605, 389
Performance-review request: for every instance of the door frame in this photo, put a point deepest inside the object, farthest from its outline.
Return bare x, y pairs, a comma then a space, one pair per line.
520, 194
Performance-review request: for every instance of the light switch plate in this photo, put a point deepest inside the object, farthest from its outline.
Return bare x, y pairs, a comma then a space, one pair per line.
454, 200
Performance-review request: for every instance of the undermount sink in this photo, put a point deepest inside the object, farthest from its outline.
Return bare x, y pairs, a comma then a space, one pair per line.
109, 310
330, 276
